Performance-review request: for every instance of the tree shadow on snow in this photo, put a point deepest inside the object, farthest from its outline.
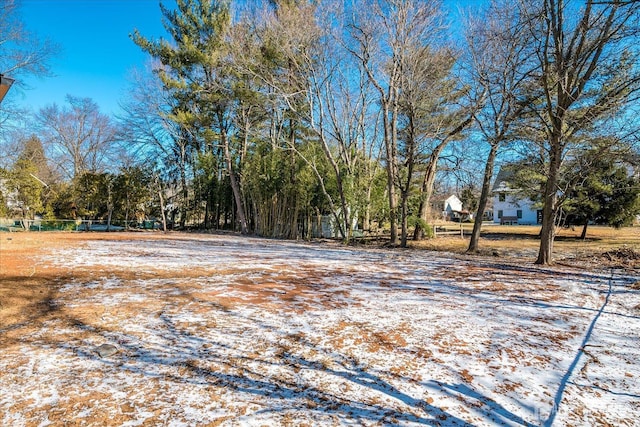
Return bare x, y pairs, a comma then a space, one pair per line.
184, 358
171, 351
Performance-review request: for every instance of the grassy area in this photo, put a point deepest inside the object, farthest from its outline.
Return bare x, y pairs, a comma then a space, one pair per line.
520, 240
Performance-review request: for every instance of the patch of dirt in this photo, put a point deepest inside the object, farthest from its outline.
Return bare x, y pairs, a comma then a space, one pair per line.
274, 323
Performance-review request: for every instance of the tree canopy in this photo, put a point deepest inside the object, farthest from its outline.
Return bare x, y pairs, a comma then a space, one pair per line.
331, 118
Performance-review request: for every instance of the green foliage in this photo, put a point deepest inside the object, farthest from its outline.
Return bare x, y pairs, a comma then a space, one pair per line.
25, 189
62, 204
281, 187
608, 194
131, 193
4, 210
201, 85
596, 183
92, 193
414, 221
127, 195
527, 177
469, 198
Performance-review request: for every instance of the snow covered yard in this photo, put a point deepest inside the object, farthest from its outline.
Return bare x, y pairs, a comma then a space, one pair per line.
223, 330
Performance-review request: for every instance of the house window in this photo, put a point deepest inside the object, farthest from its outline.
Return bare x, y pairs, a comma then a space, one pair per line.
519, 213
500, 214
502, 197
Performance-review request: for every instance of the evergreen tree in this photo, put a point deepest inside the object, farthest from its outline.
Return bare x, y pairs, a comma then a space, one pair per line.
194, 71
606, 194
25, 189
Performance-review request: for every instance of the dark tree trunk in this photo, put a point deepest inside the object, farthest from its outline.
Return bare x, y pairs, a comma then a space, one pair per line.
427, 191
583, 236
550, 210
484, 197
235, 186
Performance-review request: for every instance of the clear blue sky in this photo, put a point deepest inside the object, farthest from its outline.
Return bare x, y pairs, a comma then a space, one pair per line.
97, 54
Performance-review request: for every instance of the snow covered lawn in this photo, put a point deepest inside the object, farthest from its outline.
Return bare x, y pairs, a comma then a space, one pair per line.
224, 330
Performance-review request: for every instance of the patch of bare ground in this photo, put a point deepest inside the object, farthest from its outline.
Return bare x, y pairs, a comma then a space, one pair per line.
27, 290
604, 247
370, 341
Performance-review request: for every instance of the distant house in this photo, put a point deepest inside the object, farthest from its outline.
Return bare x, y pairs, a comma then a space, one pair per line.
509, 207
453, 209
452, 204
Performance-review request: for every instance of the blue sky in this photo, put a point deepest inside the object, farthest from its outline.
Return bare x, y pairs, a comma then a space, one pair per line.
97, 54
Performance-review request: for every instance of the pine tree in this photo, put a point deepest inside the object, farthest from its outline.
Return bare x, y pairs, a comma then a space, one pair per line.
196, 74
606, 193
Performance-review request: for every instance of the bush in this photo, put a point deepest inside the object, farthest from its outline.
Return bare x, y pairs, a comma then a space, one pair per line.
428, 230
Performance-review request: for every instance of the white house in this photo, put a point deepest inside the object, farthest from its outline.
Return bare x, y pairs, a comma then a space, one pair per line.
509, 207
452, 204
453, 209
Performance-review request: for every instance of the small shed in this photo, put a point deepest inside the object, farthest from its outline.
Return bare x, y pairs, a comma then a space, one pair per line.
452, 204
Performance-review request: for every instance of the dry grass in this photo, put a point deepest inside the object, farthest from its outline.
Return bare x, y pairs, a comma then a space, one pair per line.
28, 289
522, 241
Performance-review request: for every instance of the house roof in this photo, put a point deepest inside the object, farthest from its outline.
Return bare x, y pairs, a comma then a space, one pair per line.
502, 180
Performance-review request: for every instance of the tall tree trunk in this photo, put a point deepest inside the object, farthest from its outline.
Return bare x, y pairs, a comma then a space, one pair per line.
389, 142
162, 211
404, 222
293, 183
430, 177
109, 214
427, 189
550, 210
184, 189
235, 187
583, 236
425, 199
393, 208
484, 197
406, 189
109, 205
366, 221
126, 212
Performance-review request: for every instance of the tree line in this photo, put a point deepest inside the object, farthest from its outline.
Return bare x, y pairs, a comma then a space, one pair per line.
263, 120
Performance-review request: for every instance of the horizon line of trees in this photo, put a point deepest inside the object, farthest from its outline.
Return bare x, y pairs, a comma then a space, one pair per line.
263, 120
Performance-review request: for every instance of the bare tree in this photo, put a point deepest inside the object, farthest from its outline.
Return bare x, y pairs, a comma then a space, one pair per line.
499, 69
587, 57
338, 110
21, 51
443, 125
77, 137
432, 116
309, 77
386, 37
154, 139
